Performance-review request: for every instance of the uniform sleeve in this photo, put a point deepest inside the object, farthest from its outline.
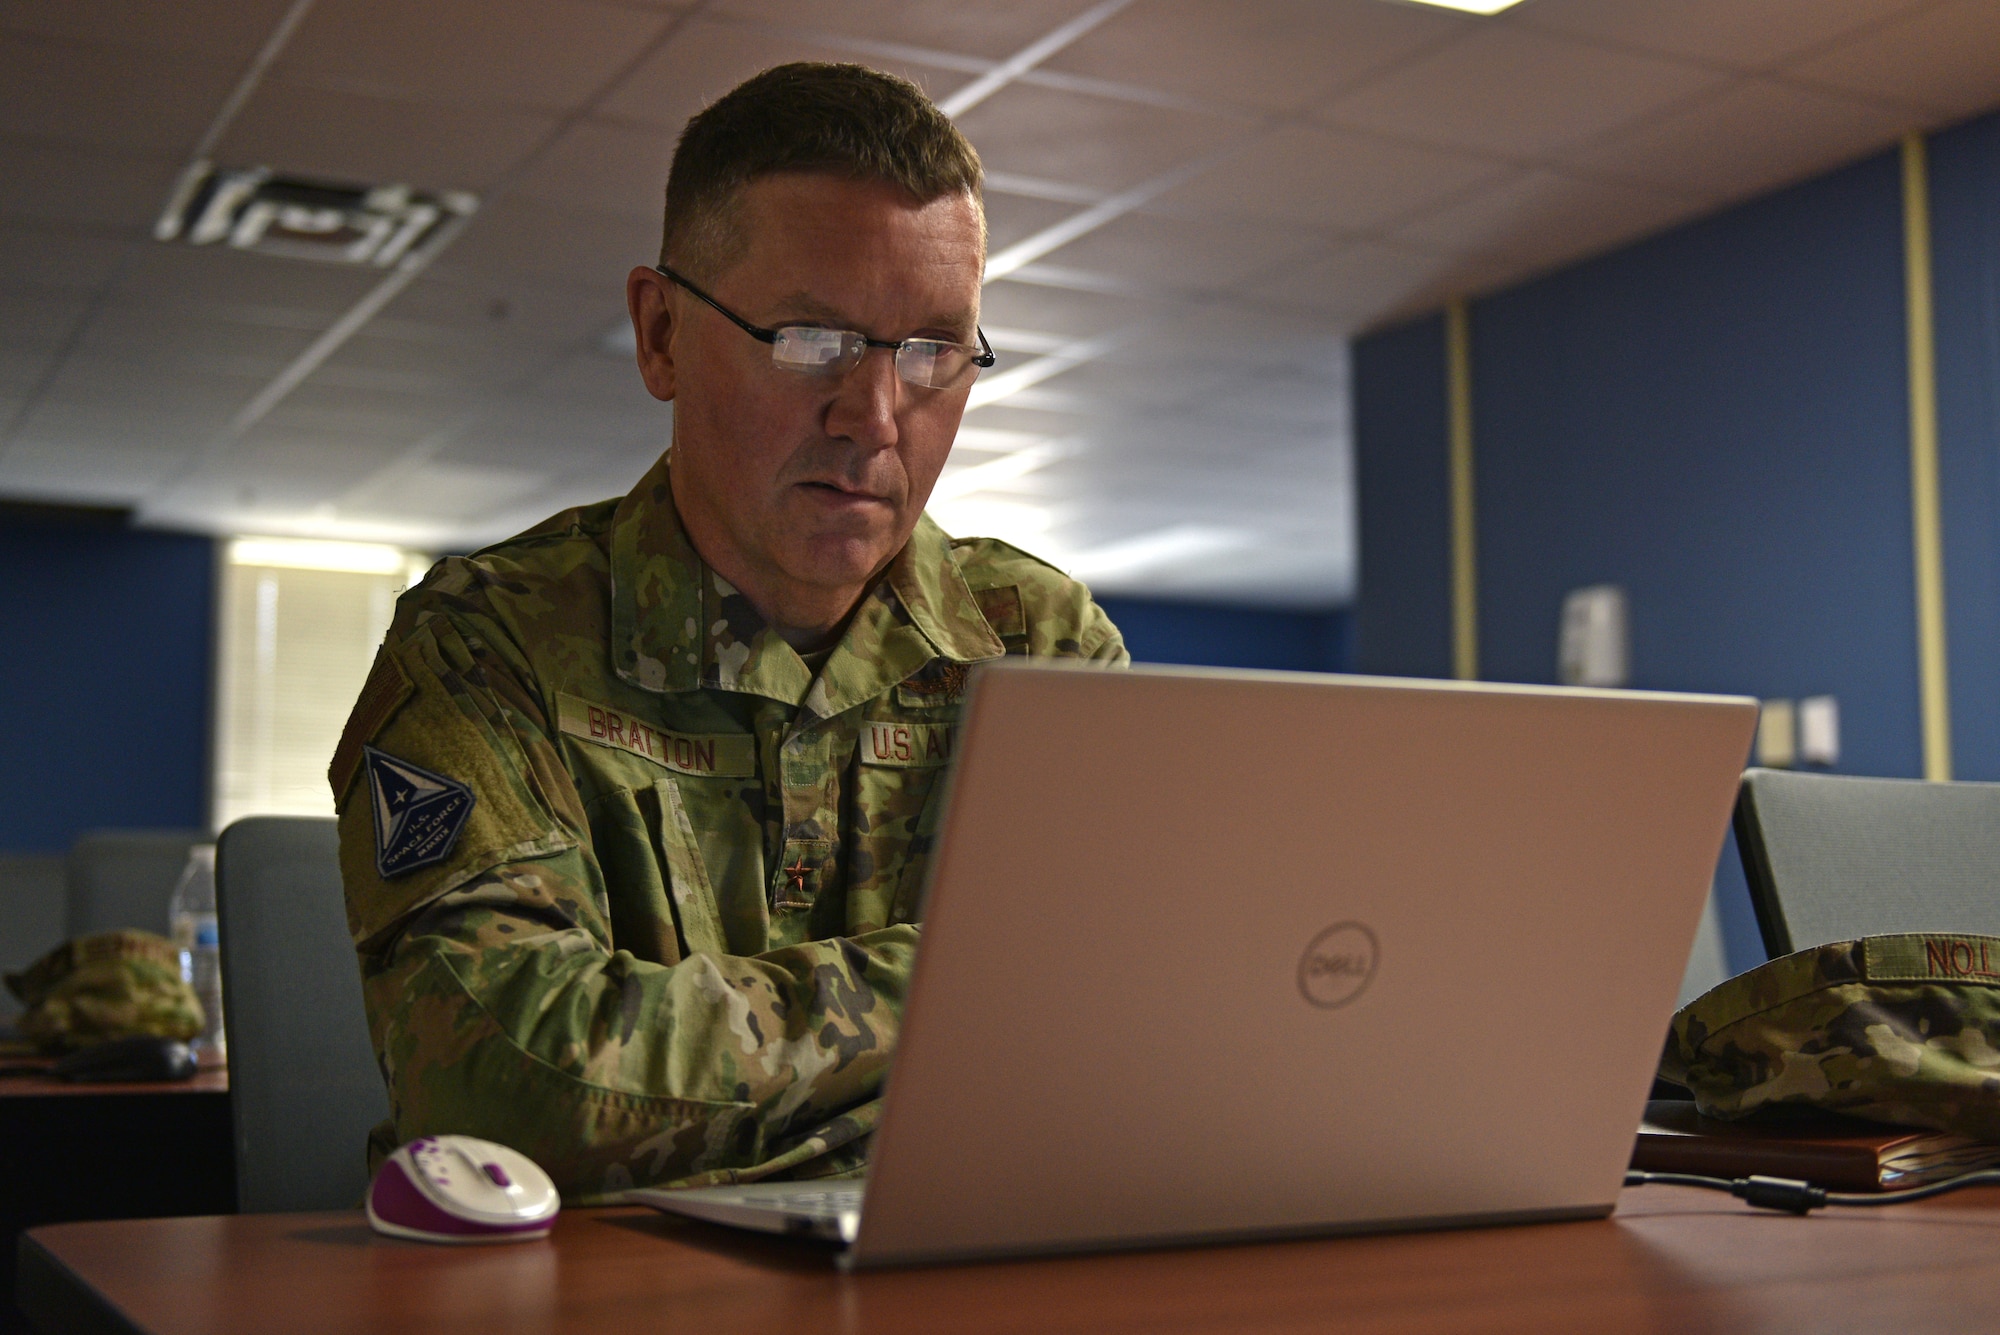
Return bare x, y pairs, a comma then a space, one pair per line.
498, 1004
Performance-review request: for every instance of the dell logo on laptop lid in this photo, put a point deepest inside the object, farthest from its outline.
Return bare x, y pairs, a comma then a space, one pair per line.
1338, 965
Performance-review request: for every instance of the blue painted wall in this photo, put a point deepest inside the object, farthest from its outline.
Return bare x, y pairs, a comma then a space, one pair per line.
106, 678
1718, 419
1402, 475
1218, 636
1965, 241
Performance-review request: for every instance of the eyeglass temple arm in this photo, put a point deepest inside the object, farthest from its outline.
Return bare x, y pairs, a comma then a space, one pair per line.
761, 335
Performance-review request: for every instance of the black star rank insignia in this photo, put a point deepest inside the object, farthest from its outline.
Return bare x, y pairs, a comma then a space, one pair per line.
418, 814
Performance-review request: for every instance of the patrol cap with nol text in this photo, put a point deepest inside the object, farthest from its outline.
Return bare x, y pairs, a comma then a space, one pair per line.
1902, 1028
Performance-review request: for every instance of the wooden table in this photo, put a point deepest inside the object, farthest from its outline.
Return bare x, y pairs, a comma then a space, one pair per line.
45, 1086
1669, 1260
109, 1151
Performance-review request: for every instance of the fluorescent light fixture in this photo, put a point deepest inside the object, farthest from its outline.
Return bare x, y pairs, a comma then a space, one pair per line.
1152, 551
1003, 468
1470, 6
360, 558
1023, 525
994, 440
1006, 339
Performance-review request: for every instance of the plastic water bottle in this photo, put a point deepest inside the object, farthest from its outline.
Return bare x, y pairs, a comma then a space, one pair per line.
198, 936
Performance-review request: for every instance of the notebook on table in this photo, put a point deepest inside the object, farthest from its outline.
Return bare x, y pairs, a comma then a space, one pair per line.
1825, 1149
1215, 955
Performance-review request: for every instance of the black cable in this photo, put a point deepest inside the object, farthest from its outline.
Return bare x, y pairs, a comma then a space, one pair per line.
1790, 1194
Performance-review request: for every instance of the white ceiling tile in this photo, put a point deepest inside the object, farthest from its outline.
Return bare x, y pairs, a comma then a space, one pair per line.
1507, 90
992, 31
294, 471
446, 305
550, 55
1745, 36
1096, 141
66, 184
38, 321
285, 293
554, 437
172, 400
439, 490
469, 364
83, 473
704, 60
520, 238
44, 256
1353, 283
1946, 58
1319, 177
1224, 406
20, 370
1540, 215
214, 30
1047, 310
168, 341
348, 136
1755, 135
1005, 416
599, 167
136, 101
1279, 55
598, 383
1010, 218
1186, 253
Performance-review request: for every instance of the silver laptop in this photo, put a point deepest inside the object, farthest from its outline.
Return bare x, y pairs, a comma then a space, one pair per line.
1215, 955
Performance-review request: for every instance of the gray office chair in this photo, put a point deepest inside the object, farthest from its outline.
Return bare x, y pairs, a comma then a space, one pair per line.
124, 878
303, 1085
33, 915
1830, 858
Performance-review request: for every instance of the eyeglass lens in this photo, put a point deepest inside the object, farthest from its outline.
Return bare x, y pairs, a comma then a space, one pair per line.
929, 363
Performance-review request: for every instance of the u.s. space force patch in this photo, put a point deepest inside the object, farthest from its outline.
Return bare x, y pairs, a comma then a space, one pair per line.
418, 814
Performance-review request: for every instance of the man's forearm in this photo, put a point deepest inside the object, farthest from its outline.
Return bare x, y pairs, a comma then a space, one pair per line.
496, 1017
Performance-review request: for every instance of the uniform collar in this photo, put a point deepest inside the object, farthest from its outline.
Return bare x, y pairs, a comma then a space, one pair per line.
676, 625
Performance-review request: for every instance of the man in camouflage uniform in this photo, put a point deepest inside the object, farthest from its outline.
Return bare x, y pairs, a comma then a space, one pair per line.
636, 807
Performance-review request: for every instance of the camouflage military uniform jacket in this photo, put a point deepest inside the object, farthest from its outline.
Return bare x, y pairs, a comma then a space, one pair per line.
658, 923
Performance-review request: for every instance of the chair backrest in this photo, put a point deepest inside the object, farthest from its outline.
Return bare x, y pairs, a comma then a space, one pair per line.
304, 1088
33, 914
124, 878
1708, 963
1830, 858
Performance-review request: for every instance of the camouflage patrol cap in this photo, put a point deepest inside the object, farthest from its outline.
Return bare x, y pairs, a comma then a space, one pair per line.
97, 988
1901, 1029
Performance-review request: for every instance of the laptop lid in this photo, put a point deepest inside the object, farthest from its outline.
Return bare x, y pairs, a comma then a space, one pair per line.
1210, 954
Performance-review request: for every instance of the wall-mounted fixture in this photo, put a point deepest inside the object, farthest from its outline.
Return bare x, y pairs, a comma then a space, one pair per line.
1819, 730
1595, 644
253, 208
1778, 735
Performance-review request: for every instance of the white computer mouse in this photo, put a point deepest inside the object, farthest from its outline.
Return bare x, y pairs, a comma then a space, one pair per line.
461, 1189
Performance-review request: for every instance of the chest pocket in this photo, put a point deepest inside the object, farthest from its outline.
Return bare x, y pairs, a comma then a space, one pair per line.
671, 829
901, 772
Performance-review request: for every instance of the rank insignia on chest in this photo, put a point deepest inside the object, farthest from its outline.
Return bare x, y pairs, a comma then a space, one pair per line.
418, 814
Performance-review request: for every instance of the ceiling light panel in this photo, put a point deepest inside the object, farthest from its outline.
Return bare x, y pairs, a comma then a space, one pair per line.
1468, 6
254, 209
1275, 55
360, 558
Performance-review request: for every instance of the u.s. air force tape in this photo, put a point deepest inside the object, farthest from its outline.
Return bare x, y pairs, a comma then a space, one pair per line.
418, 813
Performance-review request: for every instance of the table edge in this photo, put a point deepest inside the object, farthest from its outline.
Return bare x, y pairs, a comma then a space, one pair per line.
55, 1298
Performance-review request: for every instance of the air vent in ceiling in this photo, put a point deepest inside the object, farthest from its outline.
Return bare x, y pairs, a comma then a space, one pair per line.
253, 208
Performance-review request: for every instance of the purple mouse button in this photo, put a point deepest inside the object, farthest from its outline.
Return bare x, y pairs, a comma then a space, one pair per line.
460, 1189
